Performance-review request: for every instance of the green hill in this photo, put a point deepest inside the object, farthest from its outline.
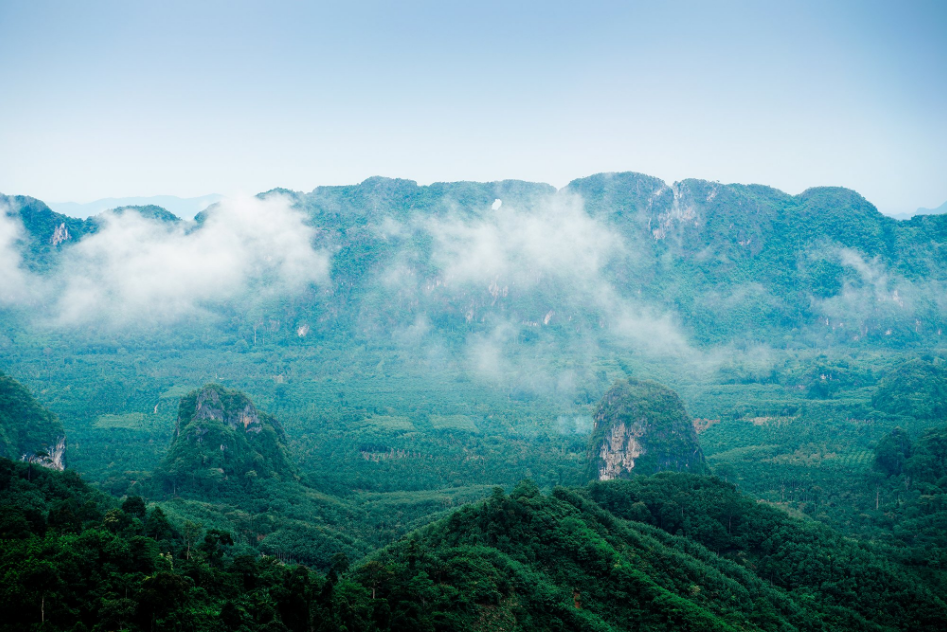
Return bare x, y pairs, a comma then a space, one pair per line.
641, 427
915, 388
588, 559
221, 441
27, 429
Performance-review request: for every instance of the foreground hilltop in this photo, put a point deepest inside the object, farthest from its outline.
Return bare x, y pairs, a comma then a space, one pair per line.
671, 552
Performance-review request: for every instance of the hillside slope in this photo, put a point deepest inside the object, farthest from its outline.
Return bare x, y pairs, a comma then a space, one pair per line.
28, 431
580, 559
566, 562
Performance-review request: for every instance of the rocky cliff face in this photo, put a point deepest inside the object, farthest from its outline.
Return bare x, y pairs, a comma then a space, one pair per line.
52, 456
237, 412
222, 439
642, 427
620, 449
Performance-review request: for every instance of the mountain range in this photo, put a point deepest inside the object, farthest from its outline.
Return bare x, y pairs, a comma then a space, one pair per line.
698, 260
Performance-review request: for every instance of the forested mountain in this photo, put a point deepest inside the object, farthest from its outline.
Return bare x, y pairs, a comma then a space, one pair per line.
721, 260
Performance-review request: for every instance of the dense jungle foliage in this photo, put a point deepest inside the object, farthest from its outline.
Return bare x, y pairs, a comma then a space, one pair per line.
604, 557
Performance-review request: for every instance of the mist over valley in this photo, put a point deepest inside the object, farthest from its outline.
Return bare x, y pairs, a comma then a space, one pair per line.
473, 317
420, 348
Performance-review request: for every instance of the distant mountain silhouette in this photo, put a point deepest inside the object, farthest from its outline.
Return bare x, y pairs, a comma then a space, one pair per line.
933, 211
185, 208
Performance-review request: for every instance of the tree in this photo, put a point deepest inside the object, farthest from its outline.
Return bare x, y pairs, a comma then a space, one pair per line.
212, 545
893, 451
134, 506
160, 594
41, 579
158, 526
39, 455
191, 532
375, 574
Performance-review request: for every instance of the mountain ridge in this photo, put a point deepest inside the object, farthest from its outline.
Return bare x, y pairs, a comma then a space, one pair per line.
825, 261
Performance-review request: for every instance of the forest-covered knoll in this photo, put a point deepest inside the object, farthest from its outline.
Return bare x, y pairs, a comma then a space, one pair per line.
916, 388
911, 498
669, 552
221, 439
641, 427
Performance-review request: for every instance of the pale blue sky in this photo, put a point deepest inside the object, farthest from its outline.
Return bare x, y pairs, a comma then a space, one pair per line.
104, 99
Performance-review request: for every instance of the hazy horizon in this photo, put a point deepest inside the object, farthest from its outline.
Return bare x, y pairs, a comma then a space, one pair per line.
188, 207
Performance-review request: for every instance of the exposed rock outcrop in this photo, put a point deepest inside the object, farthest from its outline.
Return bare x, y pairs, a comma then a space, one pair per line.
52, 456
641, 427
60, 235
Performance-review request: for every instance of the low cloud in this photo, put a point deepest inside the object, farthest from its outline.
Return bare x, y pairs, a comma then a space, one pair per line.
509, 246
554, 265
526, 287
137, 270
877, 298
15, 283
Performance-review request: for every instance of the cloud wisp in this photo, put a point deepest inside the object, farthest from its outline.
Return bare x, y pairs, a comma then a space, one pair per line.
138, 270
877, 299
533, 285
15, 282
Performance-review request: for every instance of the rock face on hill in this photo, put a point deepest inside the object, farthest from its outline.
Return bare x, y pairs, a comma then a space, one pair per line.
221, 439
28, 431
641, 427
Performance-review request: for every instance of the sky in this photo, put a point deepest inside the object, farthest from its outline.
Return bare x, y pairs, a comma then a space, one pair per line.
112, 99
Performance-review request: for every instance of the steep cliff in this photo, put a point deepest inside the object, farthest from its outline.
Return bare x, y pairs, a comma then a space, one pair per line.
221, 439
28, 431
641, 427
